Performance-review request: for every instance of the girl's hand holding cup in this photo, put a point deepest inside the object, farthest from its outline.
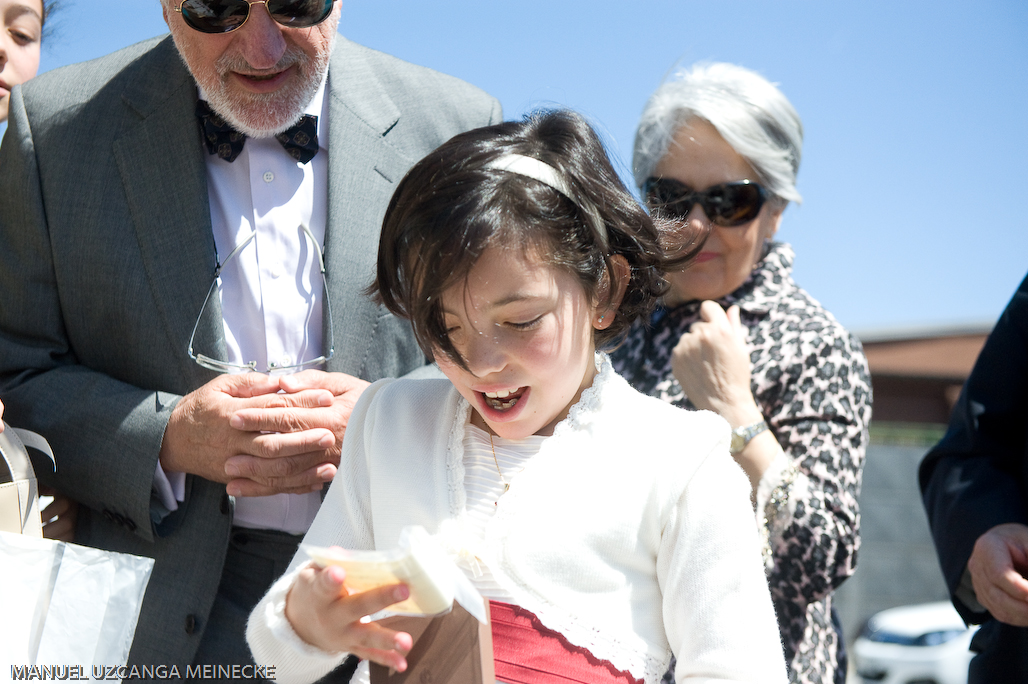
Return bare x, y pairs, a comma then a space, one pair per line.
324, 614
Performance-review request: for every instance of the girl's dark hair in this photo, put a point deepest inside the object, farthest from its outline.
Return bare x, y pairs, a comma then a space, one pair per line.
49, 7
449, 209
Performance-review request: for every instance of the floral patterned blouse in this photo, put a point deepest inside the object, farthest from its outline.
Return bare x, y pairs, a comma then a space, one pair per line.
811, 382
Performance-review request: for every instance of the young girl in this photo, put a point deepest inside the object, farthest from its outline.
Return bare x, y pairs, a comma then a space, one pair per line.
22, 24
605, 541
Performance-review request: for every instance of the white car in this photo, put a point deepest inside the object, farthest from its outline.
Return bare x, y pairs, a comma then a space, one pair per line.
924, 644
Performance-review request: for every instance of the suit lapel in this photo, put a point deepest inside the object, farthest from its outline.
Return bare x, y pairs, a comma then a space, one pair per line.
159, 157
160, 160
363, 171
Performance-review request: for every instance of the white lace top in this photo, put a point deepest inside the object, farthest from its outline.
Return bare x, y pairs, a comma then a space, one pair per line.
630, 532
484, 483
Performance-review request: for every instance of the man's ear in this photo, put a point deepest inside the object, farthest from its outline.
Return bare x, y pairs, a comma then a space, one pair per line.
611, 291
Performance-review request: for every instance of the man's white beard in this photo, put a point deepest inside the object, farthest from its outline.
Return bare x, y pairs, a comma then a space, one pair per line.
263, 115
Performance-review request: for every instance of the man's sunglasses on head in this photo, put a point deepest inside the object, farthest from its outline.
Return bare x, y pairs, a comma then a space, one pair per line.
222, 16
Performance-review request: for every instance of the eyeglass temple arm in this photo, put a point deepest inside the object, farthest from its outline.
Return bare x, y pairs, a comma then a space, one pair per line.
319, 250
214, 283
327, 304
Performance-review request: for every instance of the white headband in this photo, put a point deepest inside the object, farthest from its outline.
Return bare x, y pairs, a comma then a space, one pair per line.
547, 175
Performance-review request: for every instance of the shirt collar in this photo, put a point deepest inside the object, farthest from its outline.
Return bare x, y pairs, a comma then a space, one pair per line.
760, 291
765, 284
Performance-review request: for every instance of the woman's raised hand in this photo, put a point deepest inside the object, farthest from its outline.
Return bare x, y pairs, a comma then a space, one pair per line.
324, 614
712, 365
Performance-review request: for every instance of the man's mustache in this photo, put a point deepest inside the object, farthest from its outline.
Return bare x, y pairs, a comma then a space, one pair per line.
293, 56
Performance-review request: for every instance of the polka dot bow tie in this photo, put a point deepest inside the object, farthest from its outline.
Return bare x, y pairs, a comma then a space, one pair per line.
300, 141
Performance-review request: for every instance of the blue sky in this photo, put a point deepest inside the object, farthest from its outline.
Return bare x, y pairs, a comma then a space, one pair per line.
913, 173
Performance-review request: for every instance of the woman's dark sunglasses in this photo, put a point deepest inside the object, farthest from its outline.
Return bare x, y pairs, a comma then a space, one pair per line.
728, 204
222, 16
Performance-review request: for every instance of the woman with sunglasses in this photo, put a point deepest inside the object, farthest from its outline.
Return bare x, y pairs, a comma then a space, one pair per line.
716, 154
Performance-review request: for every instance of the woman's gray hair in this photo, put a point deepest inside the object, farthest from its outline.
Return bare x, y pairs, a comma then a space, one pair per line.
749, 112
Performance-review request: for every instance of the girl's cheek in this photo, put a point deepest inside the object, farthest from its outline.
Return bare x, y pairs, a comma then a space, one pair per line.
442, 360
542, 350
446, 365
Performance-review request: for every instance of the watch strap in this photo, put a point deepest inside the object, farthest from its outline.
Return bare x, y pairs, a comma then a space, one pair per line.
741, 436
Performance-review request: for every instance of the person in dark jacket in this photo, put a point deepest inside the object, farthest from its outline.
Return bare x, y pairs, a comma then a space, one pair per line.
974, 487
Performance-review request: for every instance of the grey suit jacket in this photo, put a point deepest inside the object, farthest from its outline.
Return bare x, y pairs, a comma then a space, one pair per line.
106, 254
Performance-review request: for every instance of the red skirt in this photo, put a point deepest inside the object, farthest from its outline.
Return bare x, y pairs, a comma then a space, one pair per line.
525, 652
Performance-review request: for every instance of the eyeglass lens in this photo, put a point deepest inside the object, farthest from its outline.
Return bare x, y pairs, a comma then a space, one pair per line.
222, 16
729, 204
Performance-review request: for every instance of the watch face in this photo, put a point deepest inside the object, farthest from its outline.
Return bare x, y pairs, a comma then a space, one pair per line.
741, 436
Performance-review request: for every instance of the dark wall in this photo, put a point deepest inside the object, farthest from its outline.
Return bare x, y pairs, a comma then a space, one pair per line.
896, 564
913, 400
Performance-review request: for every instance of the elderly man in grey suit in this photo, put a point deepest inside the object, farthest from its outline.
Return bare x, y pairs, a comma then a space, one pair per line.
175, 215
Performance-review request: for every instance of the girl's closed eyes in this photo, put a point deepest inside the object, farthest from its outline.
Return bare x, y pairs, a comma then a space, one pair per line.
527, 325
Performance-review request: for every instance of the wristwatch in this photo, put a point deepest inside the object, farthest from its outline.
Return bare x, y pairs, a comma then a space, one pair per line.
741, 436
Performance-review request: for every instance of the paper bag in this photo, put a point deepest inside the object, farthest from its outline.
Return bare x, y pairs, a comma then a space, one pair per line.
66, 604
454, 648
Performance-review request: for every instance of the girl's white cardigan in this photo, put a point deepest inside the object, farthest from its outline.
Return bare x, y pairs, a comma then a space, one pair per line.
631, 532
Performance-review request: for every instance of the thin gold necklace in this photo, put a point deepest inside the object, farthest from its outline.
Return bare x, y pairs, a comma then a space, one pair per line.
506, 485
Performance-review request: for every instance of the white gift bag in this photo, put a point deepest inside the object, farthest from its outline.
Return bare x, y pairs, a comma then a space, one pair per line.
66, 604
19, 501
62, 604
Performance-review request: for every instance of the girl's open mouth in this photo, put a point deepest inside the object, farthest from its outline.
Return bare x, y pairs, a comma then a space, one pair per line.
504, 399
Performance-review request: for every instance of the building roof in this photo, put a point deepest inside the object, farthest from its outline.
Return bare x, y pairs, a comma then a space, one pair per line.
939, 353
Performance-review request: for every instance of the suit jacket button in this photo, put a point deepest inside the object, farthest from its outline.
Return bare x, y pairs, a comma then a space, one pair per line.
225, 504
119, 518
109, 515
131, 524
190, 624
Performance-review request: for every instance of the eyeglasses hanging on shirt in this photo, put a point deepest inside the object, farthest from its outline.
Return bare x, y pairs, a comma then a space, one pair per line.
228, 367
